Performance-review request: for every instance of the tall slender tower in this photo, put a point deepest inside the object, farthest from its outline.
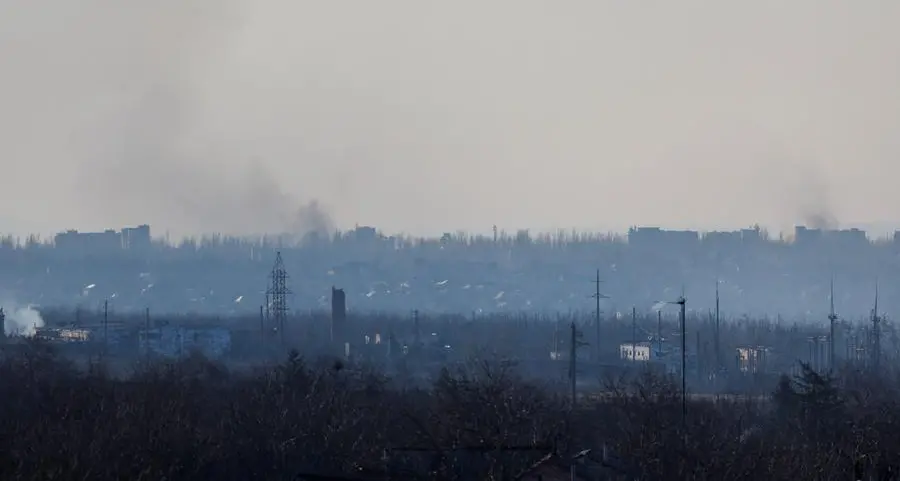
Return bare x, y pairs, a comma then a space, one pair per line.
277, 294
338, 315
831, 318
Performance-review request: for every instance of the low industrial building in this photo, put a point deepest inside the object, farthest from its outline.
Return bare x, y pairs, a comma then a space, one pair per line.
752, 359
63, 334
135, 239
640, 351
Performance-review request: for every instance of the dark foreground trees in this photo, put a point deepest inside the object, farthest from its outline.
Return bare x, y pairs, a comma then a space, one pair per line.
299, 420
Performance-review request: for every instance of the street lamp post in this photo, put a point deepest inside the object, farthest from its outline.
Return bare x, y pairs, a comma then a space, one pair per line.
682, 303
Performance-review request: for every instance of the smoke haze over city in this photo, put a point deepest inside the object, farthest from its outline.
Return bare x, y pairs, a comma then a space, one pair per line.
259, 116
402, 239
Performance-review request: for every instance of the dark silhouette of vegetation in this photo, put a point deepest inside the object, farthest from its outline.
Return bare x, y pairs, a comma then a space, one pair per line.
528, 338
195, 419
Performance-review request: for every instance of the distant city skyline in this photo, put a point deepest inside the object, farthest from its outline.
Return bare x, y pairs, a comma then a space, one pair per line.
785, 276
874, 231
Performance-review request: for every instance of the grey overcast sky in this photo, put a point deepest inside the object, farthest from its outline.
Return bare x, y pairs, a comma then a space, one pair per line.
428, 116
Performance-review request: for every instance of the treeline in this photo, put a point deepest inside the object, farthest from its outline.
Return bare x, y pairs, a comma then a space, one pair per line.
325, 420
712, 351
561, 238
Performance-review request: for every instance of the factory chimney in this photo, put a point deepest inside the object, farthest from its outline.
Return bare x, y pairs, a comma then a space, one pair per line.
338, 314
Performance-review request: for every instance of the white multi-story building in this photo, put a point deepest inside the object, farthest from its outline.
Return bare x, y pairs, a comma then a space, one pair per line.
640, 351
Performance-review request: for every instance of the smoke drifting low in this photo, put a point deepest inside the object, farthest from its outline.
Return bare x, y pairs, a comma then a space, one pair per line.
155, 157
249, 116
20, 320
125, 109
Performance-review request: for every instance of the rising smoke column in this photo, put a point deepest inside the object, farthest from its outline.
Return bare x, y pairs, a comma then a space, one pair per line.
137, 119
21, 320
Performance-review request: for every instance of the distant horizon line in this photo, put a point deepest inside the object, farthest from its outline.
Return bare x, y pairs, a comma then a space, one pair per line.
873, 231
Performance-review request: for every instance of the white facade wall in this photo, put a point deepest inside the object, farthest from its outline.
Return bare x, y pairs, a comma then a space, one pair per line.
635, 352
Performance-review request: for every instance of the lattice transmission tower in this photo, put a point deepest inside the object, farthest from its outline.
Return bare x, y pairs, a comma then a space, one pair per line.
277, 294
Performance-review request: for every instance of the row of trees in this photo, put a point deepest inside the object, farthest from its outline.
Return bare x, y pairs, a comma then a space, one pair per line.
274, 241
712, 360
325, 420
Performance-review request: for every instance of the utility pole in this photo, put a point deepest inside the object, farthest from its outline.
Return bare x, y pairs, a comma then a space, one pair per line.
699, 363
659, 332
417, 335
633, 333
390, 344
717, 340
105, 326
683, 302
715, 360
574, 343
848, 341
597, 296
831, 318
147, 332
262, 326
876, 333
814, 357
556, 338
573, 379
572, 366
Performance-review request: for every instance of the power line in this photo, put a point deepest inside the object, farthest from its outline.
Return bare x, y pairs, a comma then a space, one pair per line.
277, 294
718, 338
597, 296
876, 333
831, 318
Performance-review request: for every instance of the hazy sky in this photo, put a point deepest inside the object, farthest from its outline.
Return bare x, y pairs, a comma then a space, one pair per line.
425, 116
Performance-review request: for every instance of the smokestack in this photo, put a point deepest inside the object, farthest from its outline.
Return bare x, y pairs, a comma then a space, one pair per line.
338, 314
